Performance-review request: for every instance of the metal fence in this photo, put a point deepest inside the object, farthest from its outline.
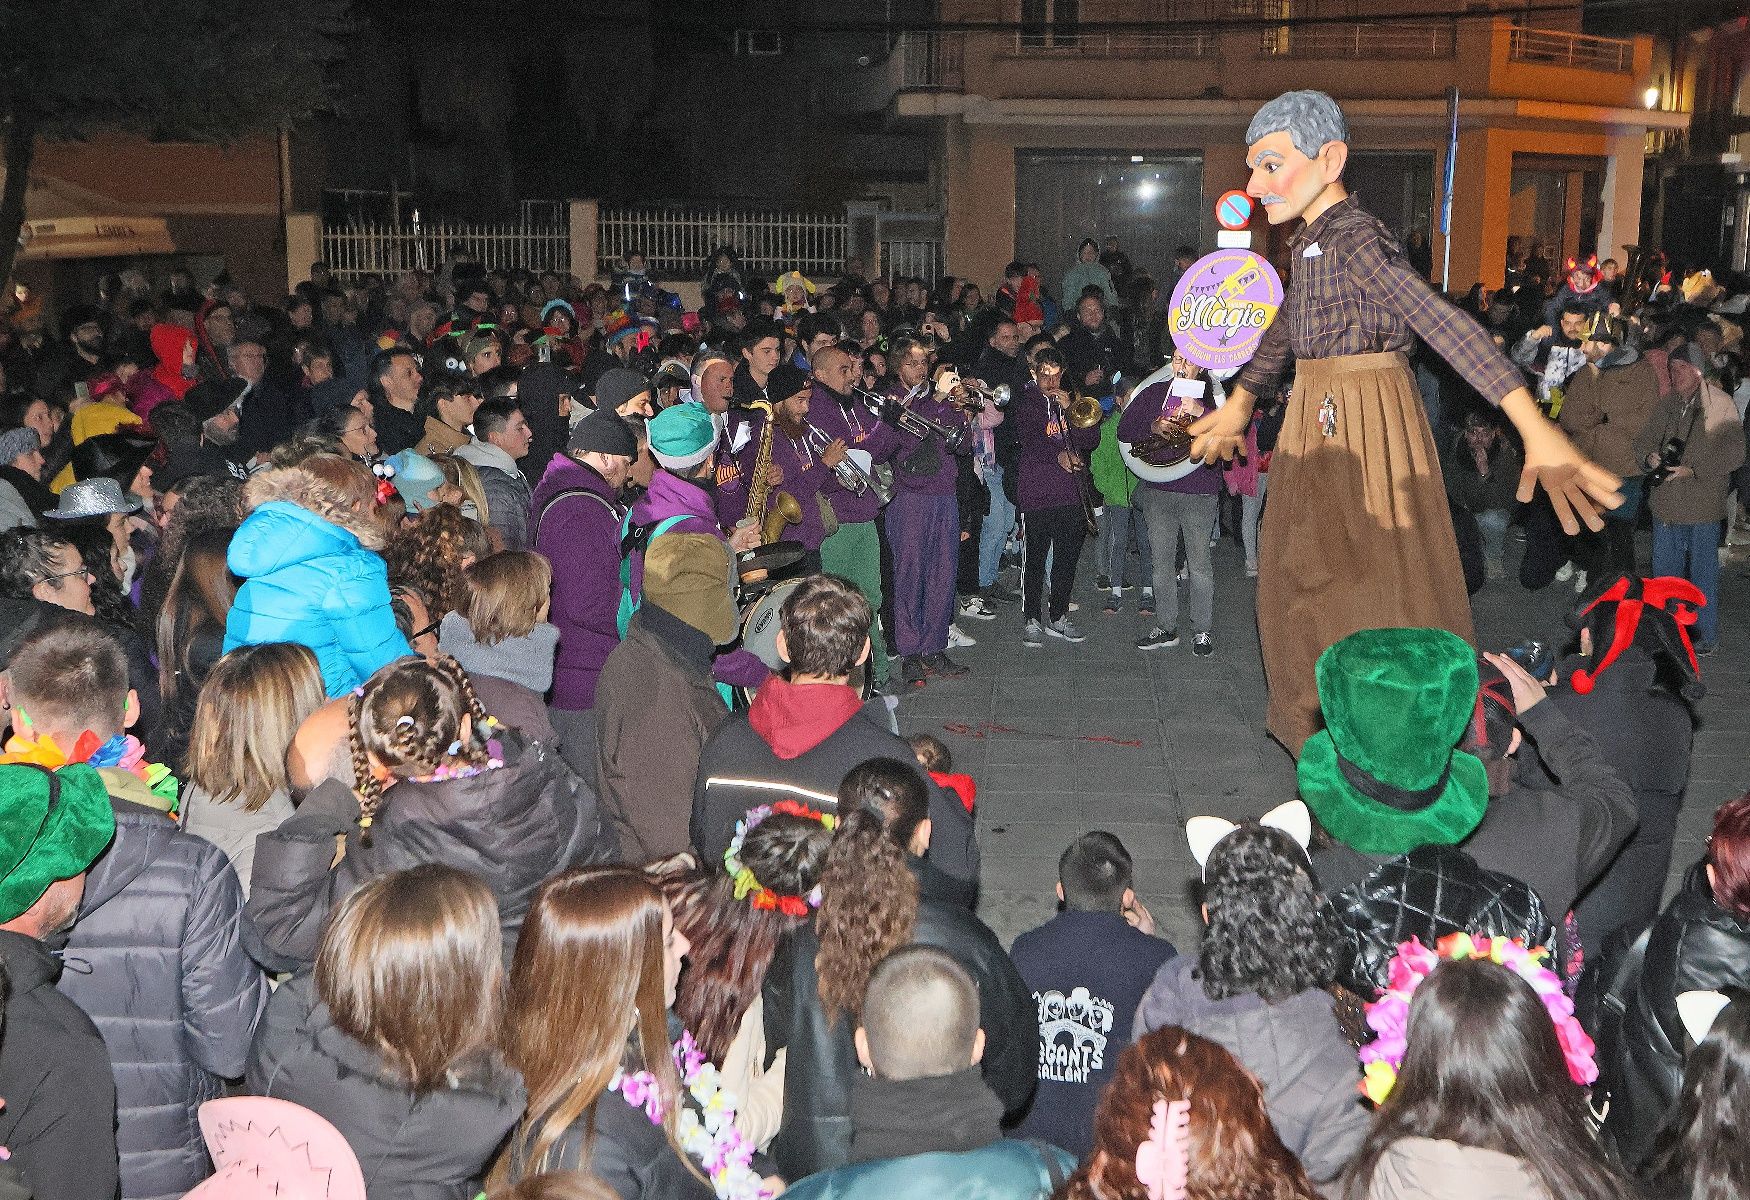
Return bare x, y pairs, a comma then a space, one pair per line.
1554, 48
929, 61
677, 241
918, 259
356, 248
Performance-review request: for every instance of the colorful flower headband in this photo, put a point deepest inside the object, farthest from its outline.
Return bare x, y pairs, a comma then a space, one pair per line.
764, 898
1389, 1016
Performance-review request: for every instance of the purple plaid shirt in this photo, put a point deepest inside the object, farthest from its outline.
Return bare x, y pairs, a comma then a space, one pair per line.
1351, 291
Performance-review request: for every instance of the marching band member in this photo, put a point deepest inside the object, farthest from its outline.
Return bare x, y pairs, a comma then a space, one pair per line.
923, 521
798, 464
1052, 499
854, 549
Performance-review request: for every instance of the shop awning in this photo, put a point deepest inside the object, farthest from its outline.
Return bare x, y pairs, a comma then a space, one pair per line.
94, 237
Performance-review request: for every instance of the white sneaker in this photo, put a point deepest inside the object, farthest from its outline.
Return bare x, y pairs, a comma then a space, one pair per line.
1064, 628
1566, 573
1032, 634
958, 640
1579, 581
976, 608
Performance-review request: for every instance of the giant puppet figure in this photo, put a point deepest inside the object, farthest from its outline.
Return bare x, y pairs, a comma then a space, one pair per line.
1357, 533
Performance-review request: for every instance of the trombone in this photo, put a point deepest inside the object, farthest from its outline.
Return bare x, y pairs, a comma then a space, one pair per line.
1079, 412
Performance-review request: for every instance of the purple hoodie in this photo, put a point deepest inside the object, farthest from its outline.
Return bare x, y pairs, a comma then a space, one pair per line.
943, 481
1042, 433
671, 496
803, 476
581, 538
1138, 422
861, 430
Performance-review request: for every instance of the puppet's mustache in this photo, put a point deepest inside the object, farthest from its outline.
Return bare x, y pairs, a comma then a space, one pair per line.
1272, 198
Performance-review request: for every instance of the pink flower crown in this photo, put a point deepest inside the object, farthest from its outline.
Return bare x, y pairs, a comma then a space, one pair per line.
1389, 1016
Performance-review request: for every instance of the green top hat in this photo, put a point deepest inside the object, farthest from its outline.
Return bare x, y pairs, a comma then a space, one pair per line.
1383, 776
55, 825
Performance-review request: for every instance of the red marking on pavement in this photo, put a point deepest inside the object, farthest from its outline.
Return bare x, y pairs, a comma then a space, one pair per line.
984, 729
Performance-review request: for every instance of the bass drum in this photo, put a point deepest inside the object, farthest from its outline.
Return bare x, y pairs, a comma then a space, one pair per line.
759, 624
1160, 384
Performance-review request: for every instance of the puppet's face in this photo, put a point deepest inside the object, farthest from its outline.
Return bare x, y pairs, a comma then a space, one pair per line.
1285, 181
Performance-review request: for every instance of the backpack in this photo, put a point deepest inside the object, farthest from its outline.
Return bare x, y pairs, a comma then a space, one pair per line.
1426, 894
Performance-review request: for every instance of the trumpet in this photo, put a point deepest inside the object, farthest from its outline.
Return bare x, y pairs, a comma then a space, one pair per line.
973, 396
954, 437
850, 475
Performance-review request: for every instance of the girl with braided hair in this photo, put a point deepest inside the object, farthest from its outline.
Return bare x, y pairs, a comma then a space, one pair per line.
872, 903
438, 780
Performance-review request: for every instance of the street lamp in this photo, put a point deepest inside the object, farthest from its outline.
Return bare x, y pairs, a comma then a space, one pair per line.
1650, 97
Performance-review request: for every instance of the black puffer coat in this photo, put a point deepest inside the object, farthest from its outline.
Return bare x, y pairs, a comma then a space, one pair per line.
514, 826
157, 961
1695, 946
822, 1062
59, 1119
430, 1147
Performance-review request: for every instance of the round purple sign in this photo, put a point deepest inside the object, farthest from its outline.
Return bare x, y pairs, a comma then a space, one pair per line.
1222, 307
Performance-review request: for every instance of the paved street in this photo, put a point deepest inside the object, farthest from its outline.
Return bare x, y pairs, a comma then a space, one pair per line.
1186, 736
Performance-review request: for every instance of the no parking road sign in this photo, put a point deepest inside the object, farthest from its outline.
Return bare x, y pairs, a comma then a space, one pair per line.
1233, 210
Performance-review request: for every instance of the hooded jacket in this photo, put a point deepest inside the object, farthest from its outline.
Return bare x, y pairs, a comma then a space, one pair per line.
1713, 435
157, 961
803, 739
170, 343
580, 536
434, 1146
822, 1064
538, 391
59, 1119
1695, 945
515, 826
309, 581
1306, 1066
1086, 972
507, 492
656, 708
1608, 405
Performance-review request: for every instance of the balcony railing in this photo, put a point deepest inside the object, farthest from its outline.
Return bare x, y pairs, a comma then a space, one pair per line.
1553, 48
1361, 39
929, 62
1057, 40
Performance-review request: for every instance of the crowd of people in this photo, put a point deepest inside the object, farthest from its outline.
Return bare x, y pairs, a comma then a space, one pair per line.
447, 741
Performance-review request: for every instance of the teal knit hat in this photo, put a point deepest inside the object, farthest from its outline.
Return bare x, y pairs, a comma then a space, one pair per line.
681, 436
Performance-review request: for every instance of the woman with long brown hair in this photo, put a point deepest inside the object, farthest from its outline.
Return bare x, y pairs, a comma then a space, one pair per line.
735, 918
872, 904
1233, 1151
391, 1036
234, 788
191, 634
587, 1019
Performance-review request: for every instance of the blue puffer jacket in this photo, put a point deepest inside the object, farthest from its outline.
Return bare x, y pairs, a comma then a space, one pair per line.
309, 581
156, 960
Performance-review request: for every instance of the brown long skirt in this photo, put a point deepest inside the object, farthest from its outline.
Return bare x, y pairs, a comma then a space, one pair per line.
1356, 531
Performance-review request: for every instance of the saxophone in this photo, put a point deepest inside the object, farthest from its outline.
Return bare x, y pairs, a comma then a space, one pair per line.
784, 508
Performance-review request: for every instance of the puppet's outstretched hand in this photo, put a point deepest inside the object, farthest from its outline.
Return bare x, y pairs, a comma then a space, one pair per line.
1220, 435
1579, 489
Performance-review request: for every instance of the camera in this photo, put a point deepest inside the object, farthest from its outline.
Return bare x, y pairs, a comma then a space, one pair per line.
1538, 659
1670, 458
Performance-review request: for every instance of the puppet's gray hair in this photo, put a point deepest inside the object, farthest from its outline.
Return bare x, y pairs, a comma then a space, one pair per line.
1310, 119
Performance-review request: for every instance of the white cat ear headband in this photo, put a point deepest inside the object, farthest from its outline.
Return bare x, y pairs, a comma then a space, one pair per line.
1699, 1010
1291, 818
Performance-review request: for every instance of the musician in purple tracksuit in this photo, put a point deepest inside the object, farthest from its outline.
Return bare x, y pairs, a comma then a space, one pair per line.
1053, 455
801, 463
923, 523
854, 550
